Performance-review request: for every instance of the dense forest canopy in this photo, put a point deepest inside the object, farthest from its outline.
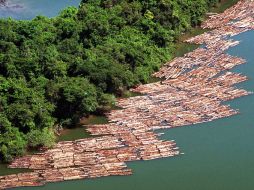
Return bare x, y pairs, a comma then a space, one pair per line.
55, 70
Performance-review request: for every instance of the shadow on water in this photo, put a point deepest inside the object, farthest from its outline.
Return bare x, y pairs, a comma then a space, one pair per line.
4, 170
79, 132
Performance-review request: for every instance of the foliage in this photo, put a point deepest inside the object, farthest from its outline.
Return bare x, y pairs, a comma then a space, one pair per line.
45, 137
60, 69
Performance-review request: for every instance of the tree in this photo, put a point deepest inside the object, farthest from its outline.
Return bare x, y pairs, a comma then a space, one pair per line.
56, 70
44, 137
12, 142
74, 97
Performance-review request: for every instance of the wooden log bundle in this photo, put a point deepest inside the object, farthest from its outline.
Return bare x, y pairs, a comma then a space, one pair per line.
193, 91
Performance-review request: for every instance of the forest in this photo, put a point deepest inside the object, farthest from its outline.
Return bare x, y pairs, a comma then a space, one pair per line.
53, 71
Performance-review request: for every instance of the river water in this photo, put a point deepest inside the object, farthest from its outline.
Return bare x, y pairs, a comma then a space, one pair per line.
219, 155
28, 9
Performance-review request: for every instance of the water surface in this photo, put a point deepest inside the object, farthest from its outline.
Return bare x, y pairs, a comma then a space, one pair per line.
28, 9
219, 155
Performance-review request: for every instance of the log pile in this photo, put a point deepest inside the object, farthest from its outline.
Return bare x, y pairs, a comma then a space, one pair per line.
194, 89
91, 157
240, 11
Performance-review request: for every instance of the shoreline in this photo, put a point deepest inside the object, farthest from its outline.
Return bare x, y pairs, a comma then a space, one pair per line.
186, 97
181, 47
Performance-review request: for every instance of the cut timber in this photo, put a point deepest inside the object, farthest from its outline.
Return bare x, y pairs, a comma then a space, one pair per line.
194, 91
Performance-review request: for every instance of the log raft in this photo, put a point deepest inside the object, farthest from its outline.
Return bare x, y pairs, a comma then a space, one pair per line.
194, 90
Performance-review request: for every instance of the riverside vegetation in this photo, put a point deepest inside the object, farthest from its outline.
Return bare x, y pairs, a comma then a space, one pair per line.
195, 88
56, 70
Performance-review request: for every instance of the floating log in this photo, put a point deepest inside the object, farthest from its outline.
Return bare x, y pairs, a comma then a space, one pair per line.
194, 90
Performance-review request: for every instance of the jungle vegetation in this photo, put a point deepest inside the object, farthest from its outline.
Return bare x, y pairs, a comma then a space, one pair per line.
55, 70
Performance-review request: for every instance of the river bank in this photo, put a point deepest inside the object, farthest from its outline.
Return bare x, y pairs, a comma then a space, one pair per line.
204, 74
77, 134
181, 48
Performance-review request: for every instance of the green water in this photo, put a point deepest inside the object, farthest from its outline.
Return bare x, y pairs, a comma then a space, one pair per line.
79, 132
218, 155
223, 5
5, 171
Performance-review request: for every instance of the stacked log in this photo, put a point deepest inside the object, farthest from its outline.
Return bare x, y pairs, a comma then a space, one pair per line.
194, 90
